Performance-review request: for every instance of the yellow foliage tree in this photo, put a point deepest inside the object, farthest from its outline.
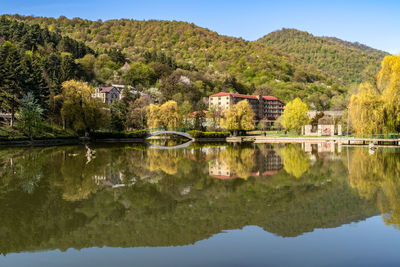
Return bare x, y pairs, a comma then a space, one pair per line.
295, 115
153, 116
80, 110
166, 115
169, 114
239, 117
366, 110
376, 107
389, 83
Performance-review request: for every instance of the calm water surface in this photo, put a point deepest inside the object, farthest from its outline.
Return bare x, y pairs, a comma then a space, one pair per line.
203, 205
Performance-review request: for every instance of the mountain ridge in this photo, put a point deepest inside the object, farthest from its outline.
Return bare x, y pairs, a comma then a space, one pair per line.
306, 46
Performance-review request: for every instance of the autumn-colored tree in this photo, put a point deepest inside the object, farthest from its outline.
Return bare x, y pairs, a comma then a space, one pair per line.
153, 116
166, 115
169, 114
366, 110
295, 115
80, 110
375, 108
239, 117
389, 83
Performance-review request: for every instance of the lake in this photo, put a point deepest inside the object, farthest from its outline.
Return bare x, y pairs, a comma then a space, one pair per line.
201, 205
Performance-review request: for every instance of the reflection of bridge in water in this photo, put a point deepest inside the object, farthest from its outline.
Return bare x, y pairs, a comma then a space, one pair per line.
157, 133
169, 147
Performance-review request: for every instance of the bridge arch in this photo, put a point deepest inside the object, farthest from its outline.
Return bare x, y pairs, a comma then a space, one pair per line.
188, 136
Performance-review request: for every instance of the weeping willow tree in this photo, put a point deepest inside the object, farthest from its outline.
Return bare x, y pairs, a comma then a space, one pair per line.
376, 106
239, 117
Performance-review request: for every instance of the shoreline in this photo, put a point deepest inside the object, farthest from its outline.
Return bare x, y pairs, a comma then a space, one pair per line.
346, 141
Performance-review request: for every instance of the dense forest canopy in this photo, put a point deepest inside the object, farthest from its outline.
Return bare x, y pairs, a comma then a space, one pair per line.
159, 53
349, 62
173, 60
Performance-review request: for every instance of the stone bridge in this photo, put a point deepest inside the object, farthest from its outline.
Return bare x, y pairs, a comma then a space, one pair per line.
188, 136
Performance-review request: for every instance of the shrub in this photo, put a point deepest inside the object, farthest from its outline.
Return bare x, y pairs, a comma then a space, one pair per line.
119, 135
200, 134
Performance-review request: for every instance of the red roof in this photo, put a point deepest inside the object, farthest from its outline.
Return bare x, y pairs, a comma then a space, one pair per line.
246, 96
106, 89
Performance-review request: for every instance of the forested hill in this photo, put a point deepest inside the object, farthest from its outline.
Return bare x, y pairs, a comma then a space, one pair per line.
185, 62
212, 62
189, 45
345, 60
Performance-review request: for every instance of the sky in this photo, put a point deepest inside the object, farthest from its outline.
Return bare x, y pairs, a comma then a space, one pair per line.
374, 23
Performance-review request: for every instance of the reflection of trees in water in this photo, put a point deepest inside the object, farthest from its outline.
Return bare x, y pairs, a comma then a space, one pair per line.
376, 177
295, 161
186, 205
244, 162
164, 160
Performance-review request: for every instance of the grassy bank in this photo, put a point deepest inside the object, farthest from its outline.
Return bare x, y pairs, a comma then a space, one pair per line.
48, 132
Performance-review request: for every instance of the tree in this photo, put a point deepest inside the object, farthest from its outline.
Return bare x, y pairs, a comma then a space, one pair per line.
136, 116
214, 114
366, 111
169, 114
139, 74
10, 79
118, 115
30, 116
375, 107
295, 115
166, 115
153, 116
239, 117
80, 111
199, 120
389, 84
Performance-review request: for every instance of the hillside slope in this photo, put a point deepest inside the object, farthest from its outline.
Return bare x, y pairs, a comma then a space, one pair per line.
344, 60
213, 62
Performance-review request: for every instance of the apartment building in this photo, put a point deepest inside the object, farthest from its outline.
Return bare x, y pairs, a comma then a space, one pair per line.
265, 107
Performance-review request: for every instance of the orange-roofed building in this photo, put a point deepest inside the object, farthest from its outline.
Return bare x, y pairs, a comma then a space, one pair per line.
265, 107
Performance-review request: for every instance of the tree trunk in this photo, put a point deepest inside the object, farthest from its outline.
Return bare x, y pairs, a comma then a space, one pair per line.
12, 117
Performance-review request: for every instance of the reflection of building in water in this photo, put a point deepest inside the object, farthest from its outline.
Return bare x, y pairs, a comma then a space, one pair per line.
323, 149
265, 163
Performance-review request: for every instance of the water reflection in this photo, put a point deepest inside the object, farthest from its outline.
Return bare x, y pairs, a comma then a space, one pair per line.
376, 178
130, 195
243, 162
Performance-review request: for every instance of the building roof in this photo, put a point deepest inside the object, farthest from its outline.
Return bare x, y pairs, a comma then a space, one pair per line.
107, 89
247, 96
235, 95
193, 114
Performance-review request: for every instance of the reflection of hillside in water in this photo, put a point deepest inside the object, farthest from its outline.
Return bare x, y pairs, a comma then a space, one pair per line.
52, 198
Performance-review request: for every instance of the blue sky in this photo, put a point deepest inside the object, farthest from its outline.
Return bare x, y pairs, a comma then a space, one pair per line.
374, 23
